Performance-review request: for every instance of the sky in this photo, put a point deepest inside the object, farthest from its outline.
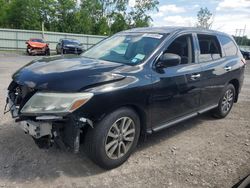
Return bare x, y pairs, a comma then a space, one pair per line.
228, 15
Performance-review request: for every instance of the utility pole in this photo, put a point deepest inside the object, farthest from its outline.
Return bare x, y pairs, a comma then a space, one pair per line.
43, 30
244, 31
239, 35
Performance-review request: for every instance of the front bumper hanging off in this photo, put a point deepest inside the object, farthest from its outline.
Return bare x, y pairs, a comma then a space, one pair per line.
49, 129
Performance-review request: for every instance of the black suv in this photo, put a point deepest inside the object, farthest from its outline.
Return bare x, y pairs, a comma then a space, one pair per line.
136, 82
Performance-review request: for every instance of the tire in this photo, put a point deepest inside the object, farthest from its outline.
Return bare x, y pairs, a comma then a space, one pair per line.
104, 138
226, 102
27, 51
47, 52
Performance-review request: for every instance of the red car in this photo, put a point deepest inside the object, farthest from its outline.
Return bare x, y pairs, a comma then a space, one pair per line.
37, 47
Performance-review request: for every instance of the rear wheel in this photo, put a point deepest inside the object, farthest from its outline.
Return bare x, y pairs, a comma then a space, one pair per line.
112, 140
226, 102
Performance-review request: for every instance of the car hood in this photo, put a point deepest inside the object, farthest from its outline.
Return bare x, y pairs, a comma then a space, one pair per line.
37, 44
68, 73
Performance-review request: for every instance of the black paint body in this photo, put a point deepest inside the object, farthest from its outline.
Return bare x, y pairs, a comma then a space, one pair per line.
63, 48
158, 96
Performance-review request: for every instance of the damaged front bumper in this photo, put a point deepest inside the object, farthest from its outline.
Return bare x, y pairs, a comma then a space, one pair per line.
46, 130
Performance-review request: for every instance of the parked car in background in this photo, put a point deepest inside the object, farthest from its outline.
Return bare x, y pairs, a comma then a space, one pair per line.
245, 53
137, 82
37, 46
69, 46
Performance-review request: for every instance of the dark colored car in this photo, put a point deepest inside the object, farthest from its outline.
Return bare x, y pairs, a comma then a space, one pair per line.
37, 47
69, 46
246, 54
134, 83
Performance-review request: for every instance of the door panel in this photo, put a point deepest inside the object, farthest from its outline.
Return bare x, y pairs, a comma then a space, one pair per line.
216, 70
215, 75
176, 92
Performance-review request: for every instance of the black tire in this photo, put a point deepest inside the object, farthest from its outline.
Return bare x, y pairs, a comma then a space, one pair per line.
222, 111
47, 52
27, 51
97, 137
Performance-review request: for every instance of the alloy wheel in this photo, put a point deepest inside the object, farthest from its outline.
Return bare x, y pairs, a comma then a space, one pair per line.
227, 101
120, 138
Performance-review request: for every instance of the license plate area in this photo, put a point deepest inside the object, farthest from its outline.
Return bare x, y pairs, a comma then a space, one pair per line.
37, 129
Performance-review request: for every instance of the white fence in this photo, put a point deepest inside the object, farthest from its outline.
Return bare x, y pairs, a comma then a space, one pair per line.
14, 39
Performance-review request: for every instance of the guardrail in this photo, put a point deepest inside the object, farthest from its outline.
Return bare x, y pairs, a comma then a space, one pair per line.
245, 47
14, 39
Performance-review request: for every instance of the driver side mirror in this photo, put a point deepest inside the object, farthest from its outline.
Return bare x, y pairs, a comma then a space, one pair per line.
168, 60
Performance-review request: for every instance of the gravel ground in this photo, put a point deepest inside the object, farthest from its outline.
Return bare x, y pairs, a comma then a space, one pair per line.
201, 152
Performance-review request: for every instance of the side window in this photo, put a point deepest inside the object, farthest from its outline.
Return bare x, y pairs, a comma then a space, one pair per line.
228, 45
182, 46
209, 48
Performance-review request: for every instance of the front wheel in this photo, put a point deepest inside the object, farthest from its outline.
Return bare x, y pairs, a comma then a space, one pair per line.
28, 51
111, 141
226, 102
47, 52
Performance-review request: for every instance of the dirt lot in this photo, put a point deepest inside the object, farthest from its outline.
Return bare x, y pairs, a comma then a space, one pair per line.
201, 152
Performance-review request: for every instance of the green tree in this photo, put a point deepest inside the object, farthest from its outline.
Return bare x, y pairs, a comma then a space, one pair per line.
139, 15
102, 17
204, 17
65, 11
3, 8
22, 14
47, 11
119, 23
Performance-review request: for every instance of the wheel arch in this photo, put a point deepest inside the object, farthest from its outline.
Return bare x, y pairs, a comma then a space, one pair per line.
142, 116
236, 85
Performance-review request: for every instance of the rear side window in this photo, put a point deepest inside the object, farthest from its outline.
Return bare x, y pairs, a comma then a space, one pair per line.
209, 48
228, 46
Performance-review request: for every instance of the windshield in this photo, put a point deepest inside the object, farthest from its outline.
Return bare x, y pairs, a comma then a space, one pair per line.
125, 48
72, 42
37, 40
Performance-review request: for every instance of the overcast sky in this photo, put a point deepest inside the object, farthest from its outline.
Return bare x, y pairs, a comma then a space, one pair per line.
229, 15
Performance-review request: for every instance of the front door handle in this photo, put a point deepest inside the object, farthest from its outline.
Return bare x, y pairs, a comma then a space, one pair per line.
228, 68
195, 76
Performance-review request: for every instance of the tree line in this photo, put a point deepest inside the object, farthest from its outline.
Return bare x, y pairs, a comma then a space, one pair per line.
244, 41
99, 17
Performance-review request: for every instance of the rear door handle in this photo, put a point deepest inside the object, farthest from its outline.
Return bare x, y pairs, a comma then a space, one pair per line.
228, 68
195, 76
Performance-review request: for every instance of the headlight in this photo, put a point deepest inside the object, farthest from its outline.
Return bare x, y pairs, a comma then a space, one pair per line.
55, 102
